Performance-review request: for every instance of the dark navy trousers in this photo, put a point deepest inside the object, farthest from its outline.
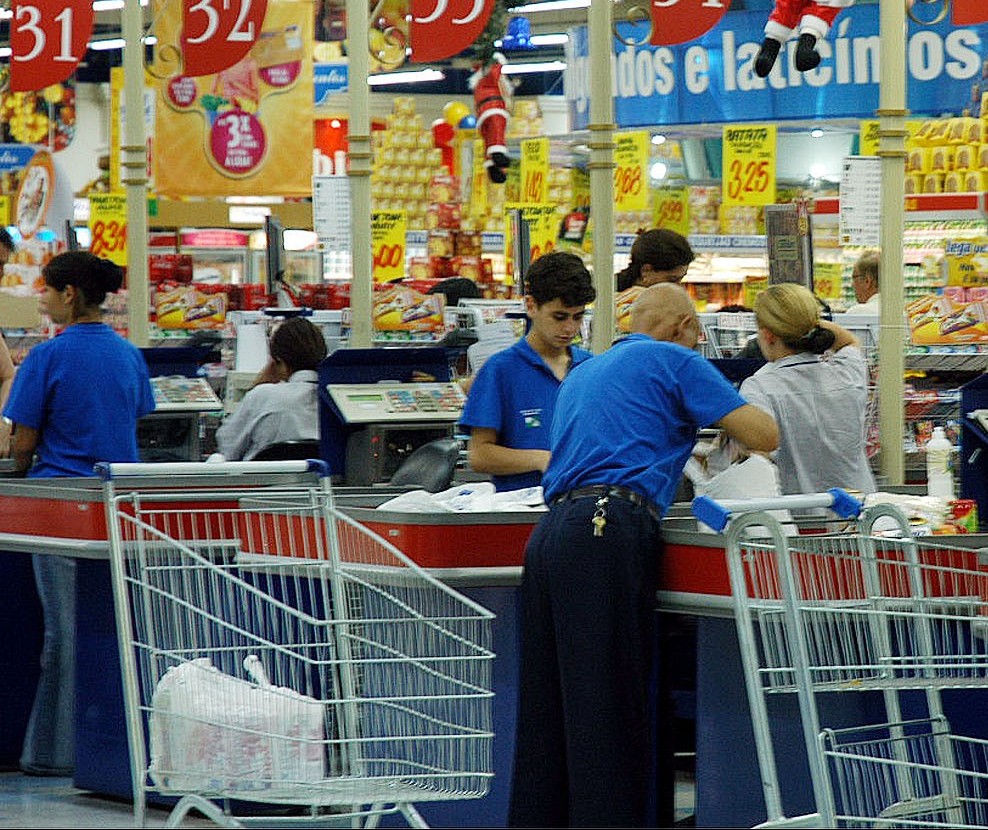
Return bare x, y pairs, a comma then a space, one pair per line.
583, 752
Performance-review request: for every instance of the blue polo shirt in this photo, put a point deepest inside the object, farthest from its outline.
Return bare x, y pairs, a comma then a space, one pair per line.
514, 394
629, 417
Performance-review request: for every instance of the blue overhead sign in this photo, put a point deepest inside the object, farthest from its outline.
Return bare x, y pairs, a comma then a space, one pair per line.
712, 79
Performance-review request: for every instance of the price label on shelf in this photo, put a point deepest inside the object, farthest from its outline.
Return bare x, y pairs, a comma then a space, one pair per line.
749, 164
827, 280
535, 170
388, 245
631, 171
108, 226
671, 209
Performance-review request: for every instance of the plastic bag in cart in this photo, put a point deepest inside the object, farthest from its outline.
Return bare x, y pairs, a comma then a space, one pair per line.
210, 732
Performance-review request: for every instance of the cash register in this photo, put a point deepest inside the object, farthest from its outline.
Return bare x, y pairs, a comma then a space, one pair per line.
389, 421
173, 432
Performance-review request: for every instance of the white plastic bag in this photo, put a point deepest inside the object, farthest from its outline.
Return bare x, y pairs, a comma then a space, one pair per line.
754, 478
213, 733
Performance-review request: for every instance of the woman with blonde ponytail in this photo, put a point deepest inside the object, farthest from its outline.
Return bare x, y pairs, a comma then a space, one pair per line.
816, 385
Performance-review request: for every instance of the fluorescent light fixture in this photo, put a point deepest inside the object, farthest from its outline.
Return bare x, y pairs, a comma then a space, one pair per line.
551, 6
418, 77
5, 51
526, 68
816, 132
6, 14
111, 5
110, 43
557, 39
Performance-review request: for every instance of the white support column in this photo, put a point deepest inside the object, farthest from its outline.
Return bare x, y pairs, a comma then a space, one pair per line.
601, 167
358, 30
892, 135
134, 173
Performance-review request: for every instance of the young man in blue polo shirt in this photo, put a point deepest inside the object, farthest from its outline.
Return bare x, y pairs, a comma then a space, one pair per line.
510, 405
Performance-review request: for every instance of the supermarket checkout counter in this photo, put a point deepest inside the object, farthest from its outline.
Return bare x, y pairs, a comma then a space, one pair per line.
66, 517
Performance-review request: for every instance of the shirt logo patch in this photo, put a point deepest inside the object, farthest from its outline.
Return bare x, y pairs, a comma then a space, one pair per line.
533, 418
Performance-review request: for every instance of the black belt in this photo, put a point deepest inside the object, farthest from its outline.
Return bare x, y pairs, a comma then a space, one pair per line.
612, 490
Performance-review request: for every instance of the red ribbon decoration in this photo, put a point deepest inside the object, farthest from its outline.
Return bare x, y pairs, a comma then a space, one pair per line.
679, 21
48, 38
216, 34
442, 28
969, 12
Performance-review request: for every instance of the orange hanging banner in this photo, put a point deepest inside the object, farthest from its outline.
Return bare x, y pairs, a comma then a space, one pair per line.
443, 28
969, 12
679, 21
48, 38
216, 34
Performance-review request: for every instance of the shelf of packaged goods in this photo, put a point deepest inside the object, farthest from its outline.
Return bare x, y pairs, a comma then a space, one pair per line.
948, 361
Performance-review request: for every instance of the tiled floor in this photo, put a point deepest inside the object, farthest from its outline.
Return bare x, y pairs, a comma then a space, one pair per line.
27, 802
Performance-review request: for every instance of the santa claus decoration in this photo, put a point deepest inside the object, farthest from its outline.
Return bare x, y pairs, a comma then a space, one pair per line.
811, 21
492, 100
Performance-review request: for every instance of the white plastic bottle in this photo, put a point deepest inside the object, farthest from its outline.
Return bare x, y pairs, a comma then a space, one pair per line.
939, 476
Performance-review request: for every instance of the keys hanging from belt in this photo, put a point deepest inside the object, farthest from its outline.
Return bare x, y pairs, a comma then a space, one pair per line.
599, 518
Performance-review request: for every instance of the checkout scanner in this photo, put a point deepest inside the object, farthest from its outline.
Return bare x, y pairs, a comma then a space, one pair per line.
173, 432
372, 416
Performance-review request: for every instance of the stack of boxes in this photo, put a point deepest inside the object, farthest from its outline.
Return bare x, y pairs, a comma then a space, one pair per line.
948, 155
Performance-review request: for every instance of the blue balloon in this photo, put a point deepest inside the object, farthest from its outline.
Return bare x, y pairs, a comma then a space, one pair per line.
467, 122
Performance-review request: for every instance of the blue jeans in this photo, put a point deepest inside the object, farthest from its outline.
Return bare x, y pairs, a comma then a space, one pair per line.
49, 744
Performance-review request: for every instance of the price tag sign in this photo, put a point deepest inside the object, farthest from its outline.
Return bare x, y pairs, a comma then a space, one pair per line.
108, 226
631, 171
671, 209
535, 170
388, 245
543, 230
478, 180
218, 33
47, 41
868, 138
749, 165
827, 280
5, 210
754, 284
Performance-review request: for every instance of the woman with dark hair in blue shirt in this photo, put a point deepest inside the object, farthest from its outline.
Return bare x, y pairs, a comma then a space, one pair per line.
75, 401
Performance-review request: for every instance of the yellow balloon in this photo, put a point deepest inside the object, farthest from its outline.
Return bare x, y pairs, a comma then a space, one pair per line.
454, 112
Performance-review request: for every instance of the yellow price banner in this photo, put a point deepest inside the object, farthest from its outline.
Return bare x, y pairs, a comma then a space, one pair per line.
749, 165
828, 280
671, 209
108, 226
543, 230
535, 170
966, 261
631, 171
4, 210
388, 245
754, 284
868, 136
478, 180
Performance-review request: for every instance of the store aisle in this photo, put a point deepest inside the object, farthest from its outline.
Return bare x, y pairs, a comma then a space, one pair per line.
27, 802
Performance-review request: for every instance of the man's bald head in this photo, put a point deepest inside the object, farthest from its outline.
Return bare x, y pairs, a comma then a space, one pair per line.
665, 312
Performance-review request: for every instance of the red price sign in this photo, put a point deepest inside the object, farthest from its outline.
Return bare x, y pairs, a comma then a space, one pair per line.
678, 21
671, 210
47, 40
218, 33
443, 28
749, 165
108, 226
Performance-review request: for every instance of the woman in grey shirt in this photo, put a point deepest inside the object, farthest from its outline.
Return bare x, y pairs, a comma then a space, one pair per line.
816, 385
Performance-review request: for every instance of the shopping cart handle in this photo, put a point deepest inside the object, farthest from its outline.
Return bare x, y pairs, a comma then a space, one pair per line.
107, 471
717, 514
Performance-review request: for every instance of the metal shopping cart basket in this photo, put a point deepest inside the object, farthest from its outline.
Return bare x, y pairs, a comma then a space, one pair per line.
275, 651
903, 618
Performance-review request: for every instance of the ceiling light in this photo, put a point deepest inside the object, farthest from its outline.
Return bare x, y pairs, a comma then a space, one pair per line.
109, 43
658, 170
111, 5
418, 77
551, 6
658, 138
557, 39
816, 132
539, 66
818, 171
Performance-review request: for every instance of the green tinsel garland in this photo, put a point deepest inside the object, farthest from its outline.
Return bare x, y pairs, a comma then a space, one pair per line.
483, 48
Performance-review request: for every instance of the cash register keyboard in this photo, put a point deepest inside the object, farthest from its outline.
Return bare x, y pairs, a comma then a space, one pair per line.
425, 400
174, 392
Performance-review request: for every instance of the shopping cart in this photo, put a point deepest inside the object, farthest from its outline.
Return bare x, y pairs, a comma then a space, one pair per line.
863, 612
275, 651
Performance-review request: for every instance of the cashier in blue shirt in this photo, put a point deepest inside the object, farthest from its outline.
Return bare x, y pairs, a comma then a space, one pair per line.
510, 405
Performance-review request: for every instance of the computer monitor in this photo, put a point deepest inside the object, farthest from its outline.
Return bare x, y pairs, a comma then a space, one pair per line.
276, 263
